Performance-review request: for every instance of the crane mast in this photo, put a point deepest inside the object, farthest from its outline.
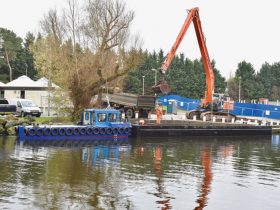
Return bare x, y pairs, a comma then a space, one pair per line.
163, 87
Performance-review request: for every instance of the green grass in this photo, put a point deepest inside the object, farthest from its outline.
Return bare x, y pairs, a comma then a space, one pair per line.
51, 120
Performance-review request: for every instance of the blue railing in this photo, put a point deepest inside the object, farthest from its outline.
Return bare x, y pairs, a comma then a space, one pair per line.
257, 110
243, 109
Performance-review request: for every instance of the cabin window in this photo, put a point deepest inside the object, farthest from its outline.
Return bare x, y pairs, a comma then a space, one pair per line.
93, 118
101, 117
86, 116
112, 117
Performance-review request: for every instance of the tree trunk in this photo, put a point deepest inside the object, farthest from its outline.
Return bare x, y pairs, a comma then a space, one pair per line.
99, 98
9, 65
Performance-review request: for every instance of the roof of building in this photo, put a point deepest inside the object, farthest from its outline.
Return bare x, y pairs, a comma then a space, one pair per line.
44, 82
25, 81
22, 81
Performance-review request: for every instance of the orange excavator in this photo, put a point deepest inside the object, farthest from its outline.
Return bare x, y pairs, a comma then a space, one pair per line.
209, 103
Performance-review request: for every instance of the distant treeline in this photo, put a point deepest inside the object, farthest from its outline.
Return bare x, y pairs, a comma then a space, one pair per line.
187, 78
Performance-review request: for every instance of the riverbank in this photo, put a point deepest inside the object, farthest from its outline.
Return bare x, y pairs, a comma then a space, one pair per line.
8, 123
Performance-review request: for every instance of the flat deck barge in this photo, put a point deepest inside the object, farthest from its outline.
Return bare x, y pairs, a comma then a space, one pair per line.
189, 128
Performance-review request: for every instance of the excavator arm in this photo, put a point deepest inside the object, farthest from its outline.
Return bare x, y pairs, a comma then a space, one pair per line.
163, 87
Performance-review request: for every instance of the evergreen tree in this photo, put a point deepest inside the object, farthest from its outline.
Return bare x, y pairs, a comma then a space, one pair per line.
220, 81
186, 77
28, 56
246, 73
10, 53
269, 76
17, 58
233, 88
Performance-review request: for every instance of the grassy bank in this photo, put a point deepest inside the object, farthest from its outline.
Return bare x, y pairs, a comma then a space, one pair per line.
49, 120
9, 123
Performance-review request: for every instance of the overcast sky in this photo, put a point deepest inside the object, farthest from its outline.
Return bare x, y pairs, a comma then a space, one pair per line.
235, 30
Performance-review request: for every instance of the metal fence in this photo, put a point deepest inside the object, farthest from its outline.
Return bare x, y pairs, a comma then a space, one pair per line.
243, 109
257, 110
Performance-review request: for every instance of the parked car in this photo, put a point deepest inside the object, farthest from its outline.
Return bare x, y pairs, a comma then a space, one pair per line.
6, 108
26, 107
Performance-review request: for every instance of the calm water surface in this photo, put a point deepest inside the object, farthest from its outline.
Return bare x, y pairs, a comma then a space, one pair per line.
186, 173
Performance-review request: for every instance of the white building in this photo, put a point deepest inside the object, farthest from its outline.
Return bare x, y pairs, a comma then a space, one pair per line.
24, 87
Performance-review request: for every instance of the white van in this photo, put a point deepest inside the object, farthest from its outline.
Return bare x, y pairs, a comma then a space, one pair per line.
26, 107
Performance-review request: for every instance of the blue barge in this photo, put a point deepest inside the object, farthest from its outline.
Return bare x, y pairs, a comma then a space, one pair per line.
97, 124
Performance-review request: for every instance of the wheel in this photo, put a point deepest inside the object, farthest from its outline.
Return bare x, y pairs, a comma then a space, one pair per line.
22, 114
38, 115
129, 113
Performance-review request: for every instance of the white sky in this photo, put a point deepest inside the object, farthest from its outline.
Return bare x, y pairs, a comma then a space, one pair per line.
235, 30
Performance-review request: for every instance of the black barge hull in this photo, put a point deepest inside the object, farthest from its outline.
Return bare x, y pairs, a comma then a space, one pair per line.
198, 130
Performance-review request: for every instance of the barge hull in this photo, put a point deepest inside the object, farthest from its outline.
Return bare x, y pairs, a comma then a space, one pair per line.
177, 130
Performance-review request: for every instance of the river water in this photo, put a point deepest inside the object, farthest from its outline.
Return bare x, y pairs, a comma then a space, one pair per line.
179, 173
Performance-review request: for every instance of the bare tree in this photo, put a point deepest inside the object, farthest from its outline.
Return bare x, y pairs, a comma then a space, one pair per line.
52, 25
72, 20
108, 23
84, 70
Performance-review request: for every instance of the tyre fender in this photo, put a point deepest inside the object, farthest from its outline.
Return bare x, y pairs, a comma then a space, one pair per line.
76, 131
40, 132
31, 131
109, 131
89, 130
69, 131
126, 130
47, 131
115, 130
54, 131
102, 130
61, 131
83, 131
121, 130
95, 131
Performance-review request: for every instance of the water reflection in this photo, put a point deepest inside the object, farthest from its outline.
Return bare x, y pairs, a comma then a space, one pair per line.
71, 143
104, 154
223, 151
206, 185
185, 173
276, 140
162, 193
205, 189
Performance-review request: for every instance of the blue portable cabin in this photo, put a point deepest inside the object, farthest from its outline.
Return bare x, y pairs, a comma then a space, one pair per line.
96, 124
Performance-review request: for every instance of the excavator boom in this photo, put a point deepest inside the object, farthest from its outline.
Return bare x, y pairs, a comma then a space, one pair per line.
165, 65
163, 87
